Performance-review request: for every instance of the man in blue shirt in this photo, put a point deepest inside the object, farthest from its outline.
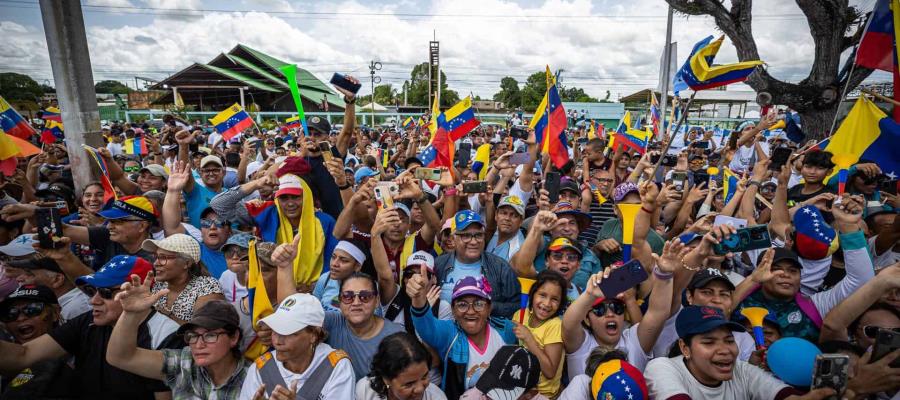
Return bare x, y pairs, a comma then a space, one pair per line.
212, 173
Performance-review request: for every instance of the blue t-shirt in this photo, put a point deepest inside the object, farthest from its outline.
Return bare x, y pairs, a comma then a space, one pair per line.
327, 291
460, 270
214, 261
361, 351
196, 201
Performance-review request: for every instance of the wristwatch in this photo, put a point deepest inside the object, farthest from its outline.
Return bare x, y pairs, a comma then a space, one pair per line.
350, 100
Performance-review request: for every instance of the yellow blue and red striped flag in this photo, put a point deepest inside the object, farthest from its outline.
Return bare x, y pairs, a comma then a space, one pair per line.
12, 123
699, 72
231, 121
480, 165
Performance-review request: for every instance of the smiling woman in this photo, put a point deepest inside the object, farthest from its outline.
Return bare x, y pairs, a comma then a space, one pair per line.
183, 277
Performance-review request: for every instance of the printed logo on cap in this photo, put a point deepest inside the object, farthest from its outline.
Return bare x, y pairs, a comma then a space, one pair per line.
288, 303
709, 312
314, 120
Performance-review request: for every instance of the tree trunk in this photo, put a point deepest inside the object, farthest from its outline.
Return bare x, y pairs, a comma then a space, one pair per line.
817, 122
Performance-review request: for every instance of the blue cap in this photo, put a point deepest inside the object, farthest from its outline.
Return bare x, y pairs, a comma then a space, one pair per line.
117, 271
364, 172
241, 240
688, 237
464, 218
701, 319
402, 207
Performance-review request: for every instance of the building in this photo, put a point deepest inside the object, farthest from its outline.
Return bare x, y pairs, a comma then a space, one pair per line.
710, 107
244, 76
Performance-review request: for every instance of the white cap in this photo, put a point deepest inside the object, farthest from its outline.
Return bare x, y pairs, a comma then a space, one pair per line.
20, 246
177, 243
210, 159
421, 258
295, 313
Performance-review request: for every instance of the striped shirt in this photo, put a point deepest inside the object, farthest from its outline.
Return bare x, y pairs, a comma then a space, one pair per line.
600, 213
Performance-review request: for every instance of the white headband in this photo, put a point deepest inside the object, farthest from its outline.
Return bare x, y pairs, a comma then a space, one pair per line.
352, 250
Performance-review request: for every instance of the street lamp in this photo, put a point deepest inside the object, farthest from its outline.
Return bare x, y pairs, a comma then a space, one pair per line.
374, 66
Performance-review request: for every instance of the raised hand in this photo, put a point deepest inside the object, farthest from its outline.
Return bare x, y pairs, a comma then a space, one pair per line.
179, 176
348, 94
417, 289
848, 211
763, 272
821, 201
593, 285
697, 193
283, 256
673, 252
649, 192
409, 188
62, 251
335, 167
385, 220
135, 296
609, 246
185, 138
544, 221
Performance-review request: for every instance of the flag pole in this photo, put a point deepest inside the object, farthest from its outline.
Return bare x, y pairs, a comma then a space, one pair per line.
665, 149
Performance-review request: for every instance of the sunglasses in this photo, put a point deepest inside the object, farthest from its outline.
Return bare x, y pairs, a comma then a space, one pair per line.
616, 307
408, 272
132, 169
240, 253
559, 256
105, 293
871, 331
28, 310
364, 296
209, 223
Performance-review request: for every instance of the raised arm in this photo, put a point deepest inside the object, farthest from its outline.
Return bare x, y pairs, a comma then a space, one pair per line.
526, 178
17, 357
123, 351
660, 306
523, 261
68, 262
344, 223
572, 331
343, 140
116, 175
171, 209
834, 326
184, 139
386, 283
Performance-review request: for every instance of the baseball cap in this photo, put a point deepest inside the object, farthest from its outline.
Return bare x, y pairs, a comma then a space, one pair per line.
295, 313
364, 172
116, 271
565, 208
511, 372
448, 224
156, 170
689, 237
402, 207
701, 319
177, 243
32, 292
464, 218
20, 246
470, 286
421, 258
289, 184
705, 276
623, 190
513, 201
318, 125
617, 379
210, 159
569, 184
214, 314
32, 263
782, 254
57, 190
131, 206
562, 243
241, 240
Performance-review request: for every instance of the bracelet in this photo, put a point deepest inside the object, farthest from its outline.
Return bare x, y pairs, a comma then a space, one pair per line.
345, 187
685, 266
646, 210
754, 183
662, 275
450, 192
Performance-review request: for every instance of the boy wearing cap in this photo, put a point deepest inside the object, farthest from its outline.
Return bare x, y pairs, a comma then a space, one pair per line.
709, 368
86, 337
508, 219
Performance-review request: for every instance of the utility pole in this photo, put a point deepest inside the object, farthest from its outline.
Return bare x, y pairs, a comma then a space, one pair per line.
666, 73
374, 66
71, 63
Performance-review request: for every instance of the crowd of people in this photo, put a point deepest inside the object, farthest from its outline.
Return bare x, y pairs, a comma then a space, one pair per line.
387, 283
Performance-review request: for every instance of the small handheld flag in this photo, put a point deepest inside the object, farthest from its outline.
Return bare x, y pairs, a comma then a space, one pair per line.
525, 283
231, 121
12, 123
109, 193
51, 114
292, 122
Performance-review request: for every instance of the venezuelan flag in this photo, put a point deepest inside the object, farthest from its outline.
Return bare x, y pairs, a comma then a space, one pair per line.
459, 119
385, 157
654, 114
729, 184
135, 145
108, 192
433, 122
480, 164
407, 122
867, 133
292, 122
626, 136
12, 123
52, 132
52, 114
549, 124
231, 121
876, 47
699, 73
525, 284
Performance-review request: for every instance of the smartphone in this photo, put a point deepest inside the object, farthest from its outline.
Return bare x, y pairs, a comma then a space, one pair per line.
518, 132
701, 145
342, 82
463, 154
581, 140
749, 238
383, 198
325, 148
669, 160
738, 223
623, 278
779, 157
551, 184
679, 179
474, 187
49, 227
428, 174
831, 371
886, 342
889, 187
392, 188
654, 158
701, 177
519, 158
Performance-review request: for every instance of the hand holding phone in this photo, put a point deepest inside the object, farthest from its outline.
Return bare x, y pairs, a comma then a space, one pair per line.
428, 174
779, 158
519, 158
623, 278
49, 227
551, 185
474, 187
750, 238
342, 82
383, 198
831, 371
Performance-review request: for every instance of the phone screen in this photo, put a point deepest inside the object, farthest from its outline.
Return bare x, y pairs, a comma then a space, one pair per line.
623, 278
779, 158
551, 184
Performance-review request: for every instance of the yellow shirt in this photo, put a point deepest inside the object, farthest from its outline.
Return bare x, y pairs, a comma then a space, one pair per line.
547, 333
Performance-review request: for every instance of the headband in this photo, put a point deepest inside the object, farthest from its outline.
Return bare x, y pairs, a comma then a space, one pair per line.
352, 250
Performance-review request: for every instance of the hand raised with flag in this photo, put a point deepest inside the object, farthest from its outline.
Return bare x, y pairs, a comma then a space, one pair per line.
847, 211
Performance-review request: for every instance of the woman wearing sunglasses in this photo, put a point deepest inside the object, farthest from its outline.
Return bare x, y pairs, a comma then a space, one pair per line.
211, 366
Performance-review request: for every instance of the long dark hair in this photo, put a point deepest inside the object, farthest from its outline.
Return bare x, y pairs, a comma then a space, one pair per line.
547, 276
395, 353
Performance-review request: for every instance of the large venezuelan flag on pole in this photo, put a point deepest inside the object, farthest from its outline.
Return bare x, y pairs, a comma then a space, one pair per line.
549, 124
699, 72
449, 126
231, 121
12, 123
867, 133
460, 119
878, 45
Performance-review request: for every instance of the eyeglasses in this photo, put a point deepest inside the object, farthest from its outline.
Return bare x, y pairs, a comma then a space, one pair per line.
463, 306
209, 223
208, 337
241, 254
28, 310
210, 171
163, 259
604, 180
616, 307
468, 237
559, 256
105, 293
364, 296
871, 331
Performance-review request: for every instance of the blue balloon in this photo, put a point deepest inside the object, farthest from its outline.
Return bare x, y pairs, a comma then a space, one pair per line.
792, 359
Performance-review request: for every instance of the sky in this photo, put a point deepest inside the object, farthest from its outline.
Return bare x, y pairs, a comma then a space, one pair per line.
600, 45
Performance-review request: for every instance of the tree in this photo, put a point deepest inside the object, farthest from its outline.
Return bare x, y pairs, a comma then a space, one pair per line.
509, 93
385, 94
817, 96
418, 88
111, 87
533, 91
575, 94
18, 87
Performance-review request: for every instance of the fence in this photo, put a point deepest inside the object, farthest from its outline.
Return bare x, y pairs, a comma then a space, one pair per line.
332, 117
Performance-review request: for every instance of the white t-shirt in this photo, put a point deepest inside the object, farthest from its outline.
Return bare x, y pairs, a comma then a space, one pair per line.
480, 359
364, 391
516, 190
579, 389
231, 288
667, 377
885, 259
213, 138
743, 158
628, 342
668, 336
341, 384
114, 148
73, 303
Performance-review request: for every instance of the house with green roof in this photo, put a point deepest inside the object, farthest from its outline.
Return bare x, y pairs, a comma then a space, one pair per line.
245, 76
